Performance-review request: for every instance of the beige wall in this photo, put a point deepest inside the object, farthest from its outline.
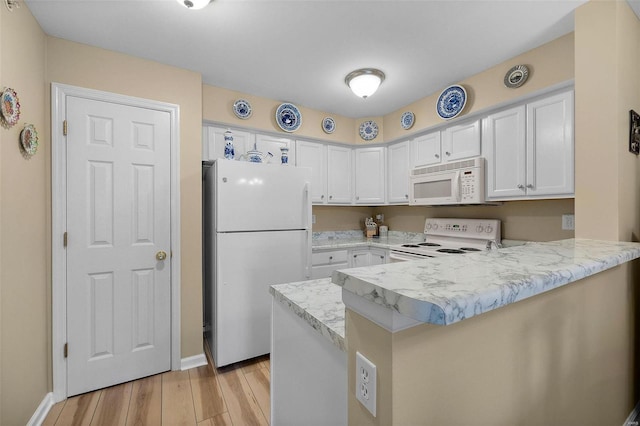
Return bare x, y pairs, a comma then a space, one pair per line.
559, 358
24, 225
114, 72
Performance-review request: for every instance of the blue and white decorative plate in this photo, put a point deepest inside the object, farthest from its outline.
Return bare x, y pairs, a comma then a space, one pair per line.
368, 130
451, 102
242, 109
288, 117
328, 125
407, 119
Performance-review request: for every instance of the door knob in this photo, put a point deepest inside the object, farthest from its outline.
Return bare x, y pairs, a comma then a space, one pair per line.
161, 255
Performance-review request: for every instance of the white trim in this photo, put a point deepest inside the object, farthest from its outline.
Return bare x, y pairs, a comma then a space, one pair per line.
193, 362
41, 412
59, 93
386, 318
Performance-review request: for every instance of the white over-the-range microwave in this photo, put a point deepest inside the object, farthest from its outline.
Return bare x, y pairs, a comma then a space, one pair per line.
460, 182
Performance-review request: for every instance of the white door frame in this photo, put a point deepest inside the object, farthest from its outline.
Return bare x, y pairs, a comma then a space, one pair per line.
59, 92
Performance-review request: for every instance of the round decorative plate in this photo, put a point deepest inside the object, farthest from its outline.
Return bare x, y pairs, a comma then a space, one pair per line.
288, 117
451, 101
516, 76
328, 125
242, 109
10, 107
407, 119
368, 130
29, 139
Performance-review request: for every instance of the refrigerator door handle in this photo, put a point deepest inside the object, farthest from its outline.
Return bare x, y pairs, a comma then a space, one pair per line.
307, 206
307, 256
308, 227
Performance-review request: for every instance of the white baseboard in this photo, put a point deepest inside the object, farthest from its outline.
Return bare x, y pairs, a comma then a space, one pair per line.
193, 362
42, 411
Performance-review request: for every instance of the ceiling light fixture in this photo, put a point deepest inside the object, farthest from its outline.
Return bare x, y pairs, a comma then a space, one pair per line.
12, 4
194, 4
365, 81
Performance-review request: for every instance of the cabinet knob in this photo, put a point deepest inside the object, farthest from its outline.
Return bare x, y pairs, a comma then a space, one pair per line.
357, 198
330, 197
520, 186
406, 195
447, 153
437, 155
530, 186
330, 257
322, 197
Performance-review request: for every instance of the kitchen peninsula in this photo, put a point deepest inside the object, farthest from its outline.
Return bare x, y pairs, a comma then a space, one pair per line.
541, 361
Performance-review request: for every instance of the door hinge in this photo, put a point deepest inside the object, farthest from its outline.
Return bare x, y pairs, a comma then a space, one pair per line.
64, 127
66, 349
64, 239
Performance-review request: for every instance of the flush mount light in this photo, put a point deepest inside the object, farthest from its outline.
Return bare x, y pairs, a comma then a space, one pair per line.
12, 4
364, 82
194, 4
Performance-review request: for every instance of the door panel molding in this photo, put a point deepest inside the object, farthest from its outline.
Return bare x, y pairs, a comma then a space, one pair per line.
59, 93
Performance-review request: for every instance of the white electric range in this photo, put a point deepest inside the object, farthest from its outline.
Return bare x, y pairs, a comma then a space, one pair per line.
450, 237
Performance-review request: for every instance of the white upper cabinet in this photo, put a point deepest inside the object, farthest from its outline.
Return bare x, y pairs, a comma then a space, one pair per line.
339, 175
505, 150
550, 147
314, 156
213, 142
425, 150
398, 173
530, 150
270, 148
461, 141
370, 175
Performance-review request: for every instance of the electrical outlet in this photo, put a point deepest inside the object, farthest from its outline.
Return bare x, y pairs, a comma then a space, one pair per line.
568, 222
366, 383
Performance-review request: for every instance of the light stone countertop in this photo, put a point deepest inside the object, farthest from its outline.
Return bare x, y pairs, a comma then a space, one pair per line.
319, 303
354, 239
444, 291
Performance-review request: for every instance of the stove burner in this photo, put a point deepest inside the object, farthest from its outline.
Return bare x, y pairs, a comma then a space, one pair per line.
469, 249
451, 251
429, 244
410, 245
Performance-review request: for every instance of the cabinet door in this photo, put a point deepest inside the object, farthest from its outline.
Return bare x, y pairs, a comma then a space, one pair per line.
398, 176
370, 175
213, 142
339, 175
271, 145
314, 156
377, 256
461, 141
550, 146
504, 148
359, 258
425, 150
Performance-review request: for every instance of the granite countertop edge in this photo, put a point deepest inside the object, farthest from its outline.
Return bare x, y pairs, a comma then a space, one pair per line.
440, 291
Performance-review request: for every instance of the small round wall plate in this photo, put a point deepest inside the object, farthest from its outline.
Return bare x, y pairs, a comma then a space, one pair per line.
516, 76
242, 109
328, 125
451, 102
288, 117
29, 139
407, 119
368, 130
9, 107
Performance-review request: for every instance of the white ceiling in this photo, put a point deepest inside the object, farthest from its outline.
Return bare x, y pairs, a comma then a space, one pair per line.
299, 51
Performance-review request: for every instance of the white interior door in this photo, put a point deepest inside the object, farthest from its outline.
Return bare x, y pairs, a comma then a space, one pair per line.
118, 221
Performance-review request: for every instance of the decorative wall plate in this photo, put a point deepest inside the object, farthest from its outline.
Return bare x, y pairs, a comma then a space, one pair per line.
9, 107
288, 117
368, 130
328, 125
516, 76
451, 101
29, 139
407, 119
242, 109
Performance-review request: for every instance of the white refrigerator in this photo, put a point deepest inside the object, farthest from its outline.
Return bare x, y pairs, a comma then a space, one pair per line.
257, 232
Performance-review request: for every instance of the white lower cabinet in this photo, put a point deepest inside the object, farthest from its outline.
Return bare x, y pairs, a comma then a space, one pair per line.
324, 262
367, 257
530, 150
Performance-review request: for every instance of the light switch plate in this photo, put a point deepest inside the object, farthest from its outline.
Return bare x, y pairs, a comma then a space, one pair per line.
568, 222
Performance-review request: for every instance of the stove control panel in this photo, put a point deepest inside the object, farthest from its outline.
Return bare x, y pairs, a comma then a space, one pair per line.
487, 229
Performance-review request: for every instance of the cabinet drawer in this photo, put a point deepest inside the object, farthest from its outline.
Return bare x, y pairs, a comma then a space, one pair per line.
329, 257
325, 271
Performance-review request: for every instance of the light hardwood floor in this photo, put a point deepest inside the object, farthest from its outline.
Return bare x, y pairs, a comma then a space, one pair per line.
236, 395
